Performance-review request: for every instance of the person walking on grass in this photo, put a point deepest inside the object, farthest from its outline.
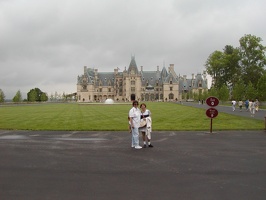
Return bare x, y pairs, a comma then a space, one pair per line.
134, 114
146, 129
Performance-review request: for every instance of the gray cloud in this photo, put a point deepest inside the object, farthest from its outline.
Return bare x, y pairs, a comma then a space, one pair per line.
46, 43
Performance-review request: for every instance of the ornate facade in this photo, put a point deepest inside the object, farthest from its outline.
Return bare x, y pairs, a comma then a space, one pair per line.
135, 84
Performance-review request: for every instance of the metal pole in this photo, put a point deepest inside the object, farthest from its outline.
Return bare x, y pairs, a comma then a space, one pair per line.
211, 126
265, 122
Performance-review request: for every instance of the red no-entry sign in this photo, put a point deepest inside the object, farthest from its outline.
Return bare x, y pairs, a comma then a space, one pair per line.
212, 101
212, 112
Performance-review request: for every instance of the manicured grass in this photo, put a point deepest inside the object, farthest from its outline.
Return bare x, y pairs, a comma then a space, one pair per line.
73, 116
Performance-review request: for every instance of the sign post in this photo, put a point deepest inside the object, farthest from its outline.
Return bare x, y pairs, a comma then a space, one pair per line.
212, 112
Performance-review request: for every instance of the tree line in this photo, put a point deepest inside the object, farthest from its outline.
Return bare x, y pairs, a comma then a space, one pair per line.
239, 72
34, 95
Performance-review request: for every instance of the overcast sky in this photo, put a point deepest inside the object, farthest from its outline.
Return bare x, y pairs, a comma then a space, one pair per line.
46, 43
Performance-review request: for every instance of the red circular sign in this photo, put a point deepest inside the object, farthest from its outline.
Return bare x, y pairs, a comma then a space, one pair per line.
212, 101
212, 112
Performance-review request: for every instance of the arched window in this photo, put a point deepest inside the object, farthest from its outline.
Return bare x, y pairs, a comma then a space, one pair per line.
171, 96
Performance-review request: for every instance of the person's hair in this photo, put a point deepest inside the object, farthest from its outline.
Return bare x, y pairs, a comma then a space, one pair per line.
143, 104
135, 102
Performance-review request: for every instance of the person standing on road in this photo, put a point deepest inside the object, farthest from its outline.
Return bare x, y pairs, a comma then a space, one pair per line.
252, 108
257, 105
247, 104
240, 104
134, 114
234, 105
145, 130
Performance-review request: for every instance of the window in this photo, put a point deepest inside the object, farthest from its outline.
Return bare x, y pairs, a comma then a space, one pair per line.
171, 96
132, 82
132, 89
171, 88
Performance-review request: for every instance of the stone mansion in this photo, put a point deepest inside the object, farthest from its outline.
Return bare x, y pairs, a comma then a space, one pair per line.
135, 84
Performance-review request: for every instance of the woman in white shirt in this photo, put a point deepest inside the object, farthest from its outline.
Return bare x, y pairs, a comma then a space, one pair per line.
146, 134
134, 115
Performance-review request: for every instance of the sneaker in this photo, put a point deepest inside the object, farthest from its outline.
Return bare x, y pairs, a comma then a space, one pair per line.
144, 146
138, 147
150, 145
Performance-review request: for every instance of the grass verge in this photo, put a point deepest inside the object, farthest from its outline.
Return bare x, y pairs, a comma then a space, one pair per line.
102, 117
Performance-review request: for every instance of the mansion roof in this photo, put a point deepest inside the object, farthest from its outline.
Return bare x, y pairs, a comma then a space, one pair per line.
148, 78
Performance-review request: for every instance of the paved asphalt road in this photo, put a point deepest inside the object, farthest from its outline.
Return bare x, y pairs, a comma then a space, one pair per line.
102, 165
261, 114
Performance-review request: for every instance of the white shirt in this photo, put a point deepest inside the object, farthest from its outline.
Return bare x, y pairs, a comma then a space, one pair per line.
134, 113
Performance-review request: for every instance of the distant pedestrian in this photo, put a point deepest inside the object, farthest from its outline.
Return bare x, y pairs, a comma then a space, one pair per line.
252, 108
240, 104
257, 105
247, 104
234, 105
134, 115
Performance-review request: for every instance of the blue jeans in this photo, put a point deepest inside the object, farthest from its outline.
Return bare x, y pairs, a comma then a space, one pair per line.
135, 136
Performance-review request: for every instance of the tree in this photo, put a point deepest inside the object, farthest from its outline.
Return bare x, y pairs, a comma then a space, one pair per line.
44, 97
2, 96
262, 88
214, 67
232, 70
32, 95
251, 92
18, 97
213, 92
223, 93
239, 90
36, 95
224, 66
253, 61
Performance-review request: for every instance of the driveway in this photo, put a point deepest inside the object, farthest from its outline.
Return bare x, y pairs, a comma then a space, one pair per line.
261, 114
102, 165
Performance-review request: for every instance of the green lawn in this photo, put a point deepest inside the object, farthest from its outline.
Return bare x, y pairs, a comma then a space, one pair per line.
73, 116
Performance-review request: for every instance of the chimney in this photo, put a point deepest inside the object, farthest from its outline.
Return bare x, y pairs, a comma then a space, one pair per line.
116, 71
204, 75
